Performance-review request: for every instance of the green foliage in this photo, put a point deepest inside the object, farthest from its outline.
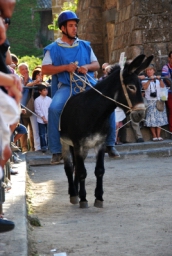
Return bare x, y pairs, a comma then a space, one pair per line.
34, 221
25, 24
32, 62
70, 6
54, 26
66, 6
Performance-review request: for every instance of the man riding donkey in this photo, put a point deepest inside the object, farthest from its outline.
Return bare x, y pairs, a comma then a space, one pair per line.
66, 55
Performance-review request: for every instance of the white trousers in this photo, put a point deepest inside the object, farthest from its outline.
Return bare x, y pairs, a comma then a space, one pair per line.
35, 129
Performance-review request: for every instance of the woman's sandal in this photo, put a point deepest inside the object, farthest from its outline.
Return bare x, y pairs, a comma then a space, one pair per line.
160, 139
155, 139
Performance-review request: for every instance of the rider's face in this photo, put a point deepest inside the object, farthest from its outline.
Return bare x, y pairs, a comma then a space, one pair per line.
71, 28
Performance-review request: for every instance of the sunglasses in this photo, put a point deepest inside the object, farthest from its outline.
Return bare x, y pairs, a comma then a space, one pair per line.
7, 21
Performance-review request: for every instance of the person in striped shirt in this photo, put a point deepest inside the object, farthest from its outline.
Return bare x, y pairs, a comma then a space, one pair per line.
167, 72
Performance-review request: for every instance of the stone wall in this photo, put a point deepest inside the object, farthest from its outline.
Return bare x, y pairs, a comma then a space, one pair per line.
130, 26
56, 8
140, 27
90, 25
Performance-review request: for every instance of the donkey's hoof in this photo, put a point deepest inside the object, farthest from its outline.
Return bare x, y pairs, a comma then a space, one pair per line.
74, 200
83, 204
98, 203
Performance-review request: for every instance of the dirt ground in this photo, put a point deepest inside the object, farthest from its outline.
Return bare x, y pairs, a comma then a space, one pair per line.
135, 220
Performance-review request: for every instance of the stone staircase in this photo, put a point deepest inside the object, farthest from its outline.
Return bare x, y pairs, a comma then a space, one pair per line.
128, 135
130, 148
145, 149
148, 148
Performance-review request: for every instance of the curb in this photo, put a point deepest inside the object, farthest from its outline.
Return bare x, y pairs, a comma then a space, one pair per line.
14, 243
148, 149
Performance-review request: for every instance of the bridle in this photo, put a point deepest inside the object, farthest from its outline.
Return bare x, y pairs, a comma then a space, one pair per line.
85, 81
125, 91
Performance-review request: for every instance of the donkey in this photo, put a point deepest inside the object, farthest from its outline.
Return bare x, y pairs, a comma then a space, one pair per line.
84, 124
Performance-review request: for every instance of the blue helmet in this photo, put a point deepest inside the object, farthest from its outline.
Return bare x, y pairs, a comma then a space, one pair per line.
65, 16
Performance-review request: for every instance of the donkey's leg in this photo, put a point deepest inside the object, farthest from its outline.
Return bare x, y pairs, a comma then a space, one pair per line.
81, 174
99, 172
69, 169
76, 182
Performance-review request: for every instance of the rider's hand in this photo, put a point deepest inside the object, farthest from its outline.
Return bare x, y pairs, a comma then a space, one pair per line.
71, 67
83, 70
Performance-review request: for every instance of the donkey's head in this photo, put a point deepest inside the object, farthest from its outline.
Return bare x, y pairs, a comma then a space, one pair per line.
131, 87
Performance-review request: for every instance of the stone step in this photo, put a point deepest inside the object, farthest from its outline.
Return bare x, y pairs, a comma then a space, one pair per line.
37, 158
153, 152
129, 136
128, 147
149, 148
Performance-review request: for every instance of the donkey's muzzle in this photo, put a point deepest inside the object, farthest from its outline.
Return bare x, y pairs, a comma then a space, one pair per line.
138, 113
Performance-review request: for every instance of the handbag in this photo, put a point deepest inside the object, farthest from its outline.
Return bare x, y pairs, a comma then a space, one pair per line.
163, 93
160, 105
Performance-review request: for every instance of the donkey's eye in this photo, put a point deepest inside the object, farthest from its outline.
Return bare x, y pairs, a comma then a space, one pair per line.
131, 87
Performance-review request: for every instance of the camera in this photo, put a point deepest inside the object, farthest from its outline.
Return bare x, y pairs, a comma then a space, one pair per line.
153, 94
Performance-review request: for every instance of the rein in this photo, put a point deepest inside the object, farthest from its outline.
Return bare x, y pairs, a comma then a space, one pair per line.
85, 81
125, 92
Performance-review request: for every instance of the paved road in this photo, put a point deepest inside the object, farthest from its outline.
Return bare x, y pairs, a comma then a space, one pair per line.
136, 218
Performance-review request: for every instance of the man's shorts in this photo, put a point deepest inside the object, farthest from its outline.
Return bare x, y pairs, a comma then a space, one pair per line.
20, 129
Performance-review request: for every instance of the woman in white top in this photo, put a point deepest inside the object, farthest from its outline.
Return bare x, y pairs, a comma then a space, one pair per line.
154, 118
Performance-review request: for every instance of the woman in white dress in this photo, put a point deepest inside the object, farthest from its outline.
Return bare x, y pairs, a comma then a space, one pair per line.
154, 118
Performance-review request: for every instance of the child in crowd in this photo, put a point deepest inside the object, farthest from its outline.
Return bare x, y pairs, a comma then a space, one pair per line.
41, 105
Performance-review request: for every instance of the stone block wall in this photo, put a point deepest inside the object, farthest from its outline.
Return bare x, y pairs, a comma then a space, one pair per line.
139, 27
90, 25
132, 26
56, 9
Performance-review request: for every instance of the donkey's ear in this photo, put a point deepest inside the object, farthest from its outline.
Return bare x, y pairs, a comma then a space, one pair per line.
135, 63
144, 65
